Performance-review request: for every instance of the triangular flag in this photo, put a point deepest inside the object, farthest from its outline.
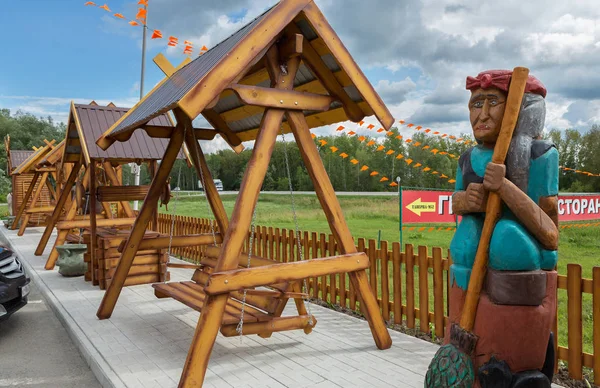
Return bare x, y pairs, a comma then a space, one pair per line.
188, 43
371, 143
417, 165
380, 130
399, 137
381, 147
370, 126
105, 7
354, 161
156, 34
427, 130
90, 3
425, 147
188, 50
390, 152
333, 149
400, 156
340, 128
141, 15
351, 133
418, 143
452, 181
313, 135
389, 133
361, 122
384, 179
410, 125
204, 48
418, 128
323, 142
363, 168
143, 2
134, 23
118, 15
374, 173
361, 138
401, 121
393, 184
408, 161
426, 169
344, 155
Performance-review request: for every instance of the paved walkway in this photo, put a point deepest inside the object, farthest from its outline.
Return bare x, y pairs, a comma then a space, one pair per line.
145, 342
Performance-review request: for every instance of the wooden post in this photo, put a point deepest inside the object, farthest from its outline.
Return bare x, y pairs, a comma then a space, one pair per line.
596, 322
575, 326
62, 234
438, 291
23, 206
114, 180
153, 164
92, 201
337, 223
139, 227
64, 195
34, 200
423, 290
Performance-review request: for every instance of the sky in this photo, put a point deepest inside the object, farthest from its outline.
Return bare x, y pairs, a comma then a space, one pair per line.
417, 53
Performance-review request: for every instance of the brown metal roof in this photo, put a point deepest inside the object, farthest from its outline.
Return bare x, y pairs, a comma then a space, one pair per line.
326, 64
18, 156
94, 120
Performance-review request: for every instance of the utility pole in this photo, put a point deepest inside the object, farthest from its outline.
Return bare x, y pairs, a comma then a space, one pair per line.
136, 168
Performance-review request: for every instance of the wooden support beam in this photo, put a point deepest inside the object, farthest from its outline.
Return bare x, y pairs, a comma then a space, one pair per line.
292, 47
176, 242
214, 307
202, 170
61, 236
281, 99
141, 223
337, 223
224, 281
221, 126
114, 180
103, 223
41, 209
271, 326
93, 221
34, 200
23, 206
313, 60
51, 190
60, 205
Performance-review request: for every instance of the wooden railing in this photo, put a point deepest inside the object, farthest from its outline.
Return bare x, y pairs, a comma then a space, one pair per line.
411, 285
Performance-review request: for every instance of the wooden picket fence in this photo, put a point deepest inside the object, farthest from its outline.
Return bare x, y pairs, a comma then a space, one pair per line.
412, 285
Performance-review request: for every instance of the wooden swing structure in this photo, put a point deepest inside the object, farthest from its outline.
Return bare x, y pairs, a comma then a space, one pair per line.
98, 177
31, 186
45, 166
286, 71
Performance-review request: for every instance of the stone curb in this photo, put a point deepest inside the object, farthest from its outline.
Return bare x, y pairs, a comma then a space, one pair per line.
106, 376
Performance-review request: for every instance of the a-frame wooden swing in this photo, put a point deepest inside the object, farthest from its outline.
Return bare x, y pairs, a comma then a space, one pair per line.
45, 164
285, 71
40, 184
98, 173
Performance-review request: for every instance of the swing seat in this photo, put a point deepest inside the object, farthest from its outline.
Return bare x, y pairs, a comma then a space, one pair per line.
262, 309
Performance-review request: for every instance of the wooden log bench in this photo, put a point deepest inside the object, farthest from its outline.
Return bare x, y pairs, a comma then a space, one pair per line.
263, 306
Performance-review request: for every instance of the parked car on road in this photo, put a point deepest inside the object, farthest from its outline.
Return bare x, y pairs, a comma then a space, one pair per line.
14, 283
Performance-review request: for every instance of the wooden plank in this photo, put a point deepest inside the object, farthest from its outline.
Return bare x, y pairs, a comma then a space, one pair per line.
596, 323
423, 290
221, 282
385, 288
176, 241
373, 268
438, 291
397, 283
410, 286
323, 249
114, 180
107, 222
271, 326
24, 201
574, 319
314, 254
281, 99
34, 199
332, 277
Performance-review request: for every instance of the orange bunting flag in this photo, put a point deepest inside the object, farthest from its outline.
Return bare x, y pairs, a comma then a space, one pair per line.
408, 140
390, 152
381, 147
389, 133
173, 41
313, 135
362, 138
418, 128
118, 15
443, 176
333, 149
351, 133
400, 156
427, 130
435, 173
204, 48
188, 50
417, 144
451, 180
134, 23
425, 147
408, 161
340, 128
384, 179
443, 153
417, 165
343, 155
156, 34
354, 161
426, 169
374, 173
435, 151
370, 126
452, 137
323, 142
188, 43
363, 168
459, 139
105, 7
436, 133
410, 125
444, 135
360, 123
393, 184
371, 143
401, 121
399, 137
90, 3
380, 130
143, 2
141, 15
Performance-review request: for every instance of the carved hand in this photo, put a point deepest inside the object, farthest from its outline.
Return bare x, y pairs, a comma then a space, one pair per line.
494, 177
476, 198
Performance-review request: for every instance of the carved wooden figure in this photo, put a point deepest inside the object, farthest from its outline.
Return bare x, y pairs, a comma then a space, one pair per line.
286, 71
517, 305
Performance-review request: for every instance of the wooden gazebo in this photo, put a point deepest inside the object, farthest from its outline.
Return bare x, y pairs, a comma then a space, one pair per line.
33, 193
288, 71
99, 182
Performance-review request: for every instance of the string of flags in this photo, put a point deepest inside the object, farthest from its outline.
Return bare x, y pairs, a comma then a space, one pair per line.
140, 20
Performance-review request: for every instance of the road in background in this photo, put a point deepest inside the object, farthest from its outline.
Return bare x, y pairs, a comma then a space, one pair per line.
36, 351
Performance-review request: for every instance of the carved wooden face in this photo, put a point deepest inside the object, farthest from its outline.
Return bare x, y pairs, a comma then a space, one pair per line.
486, 108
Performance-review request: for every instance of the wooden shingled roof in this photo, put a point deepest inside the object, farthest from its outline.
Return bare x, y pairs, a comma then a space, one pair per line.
29, 164
87, 122
204, 86
17, 157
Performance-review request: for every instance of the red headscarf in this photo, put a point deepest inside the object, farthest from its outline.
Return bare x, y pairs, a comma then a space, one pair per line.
501, 79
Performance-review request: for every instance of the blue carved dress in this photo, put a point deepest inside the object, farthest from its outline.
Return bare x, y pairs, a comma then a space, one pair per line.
512, 247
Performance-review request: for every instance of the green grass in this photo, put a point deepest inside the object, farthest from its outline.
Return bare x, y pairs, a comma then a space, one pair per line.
369, 216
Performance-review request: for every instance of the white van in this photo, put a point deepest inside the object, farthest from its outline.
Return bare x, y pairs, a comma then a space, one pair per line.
218, 184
